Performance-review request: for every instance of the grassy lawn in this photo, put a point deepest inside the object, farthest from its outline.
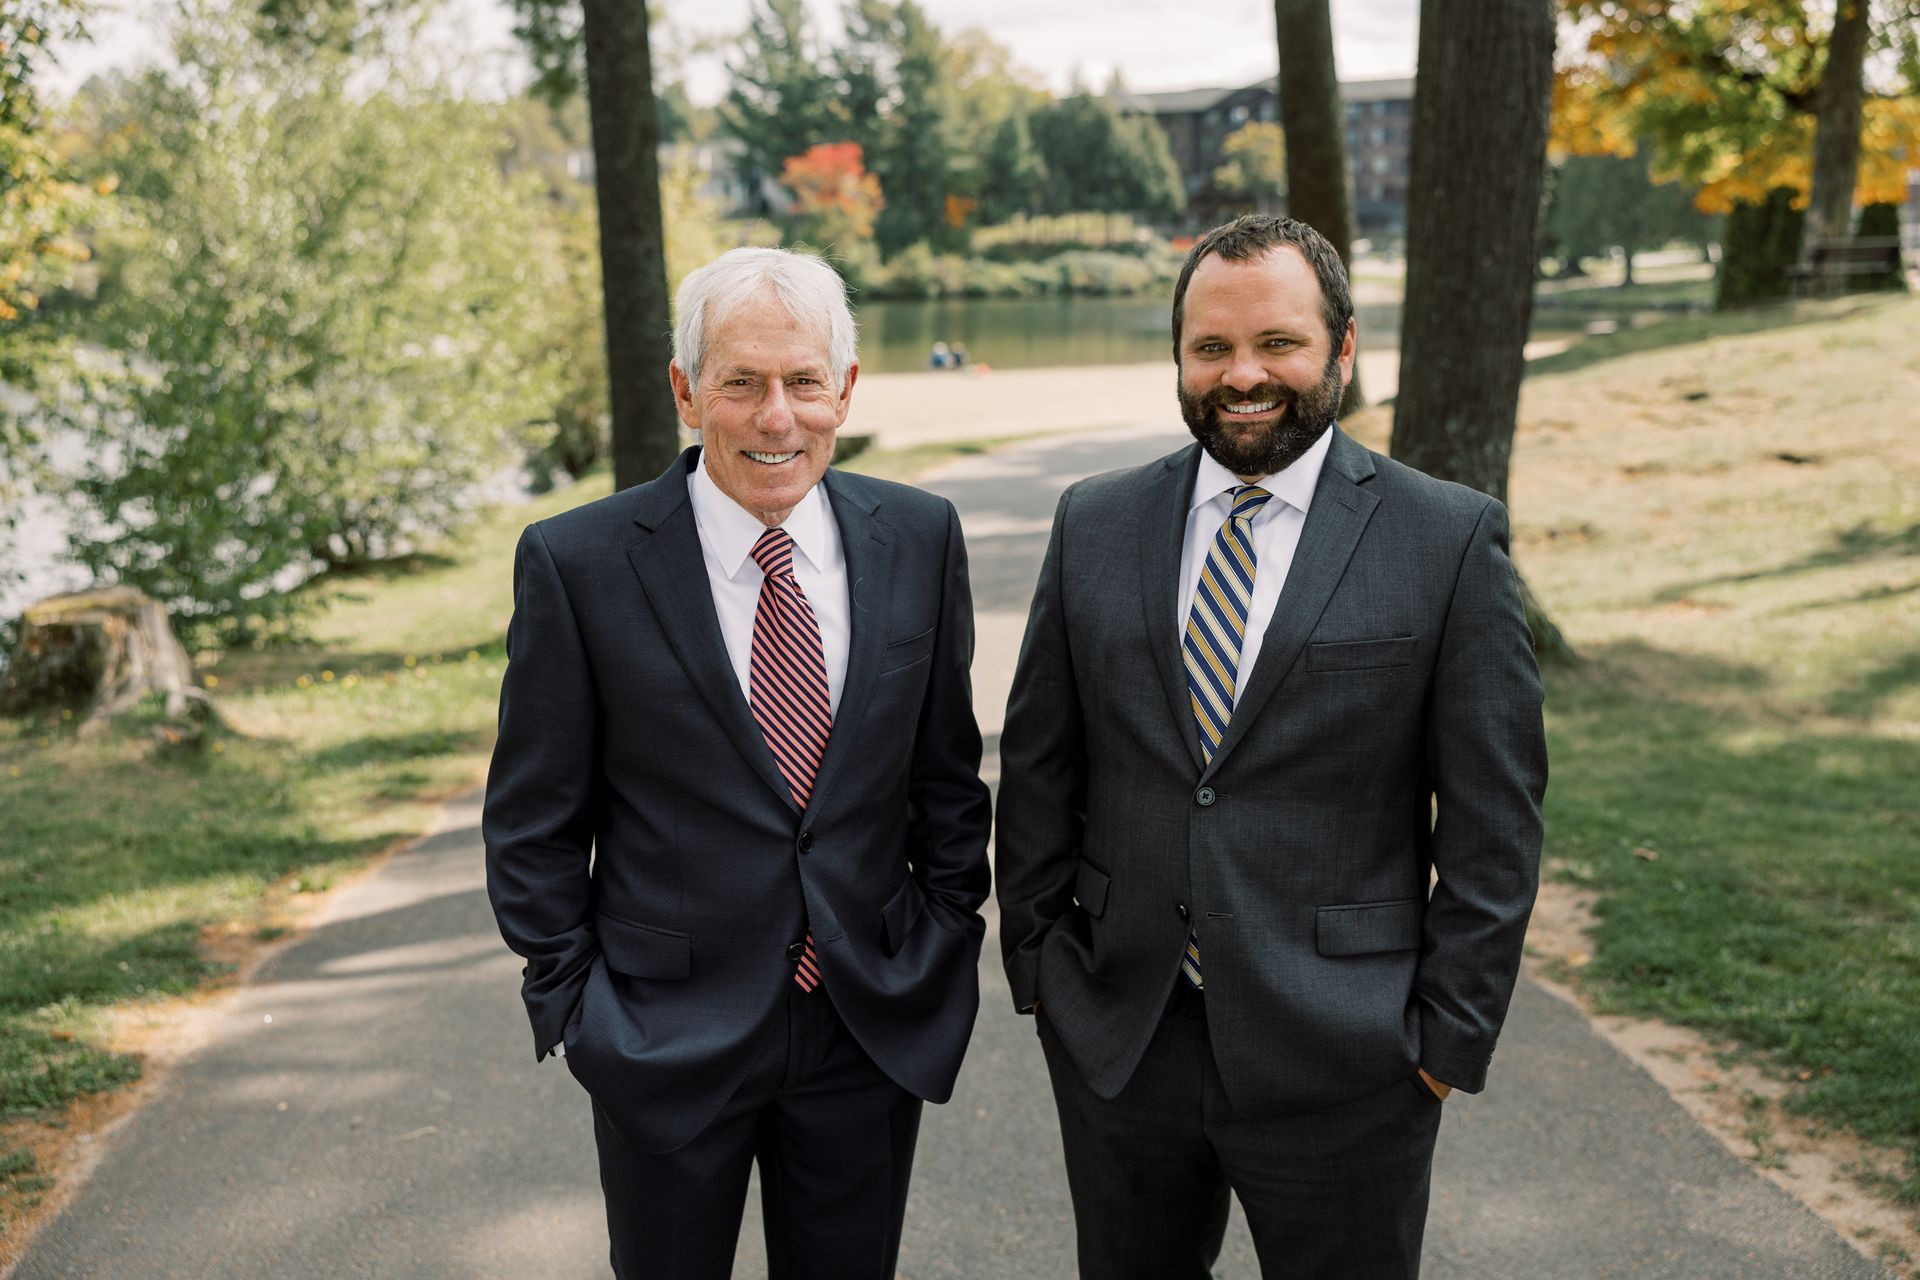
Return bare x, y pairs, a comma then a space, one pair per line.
132, 872
1727, 524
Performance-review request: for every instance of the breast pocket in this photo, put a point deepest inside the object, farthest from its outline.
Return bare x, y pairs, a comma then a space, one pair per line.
1360, 655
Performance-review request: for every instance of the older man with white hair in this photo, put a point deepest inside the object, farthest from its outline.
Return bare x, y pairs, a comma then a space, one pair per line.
735, 823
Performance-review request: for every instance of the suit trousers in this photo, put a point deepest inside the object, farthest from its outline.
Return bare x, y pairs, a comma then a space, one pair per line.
1338, 1194
834, 1139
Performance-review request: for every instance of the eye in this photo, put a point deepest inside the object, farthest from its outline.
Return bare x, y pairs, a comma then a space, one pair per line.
1279, 342
1211, 348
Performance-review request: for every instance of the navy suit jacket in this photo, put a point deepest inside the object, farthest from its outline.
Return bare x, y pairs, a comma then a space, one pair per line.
643, 853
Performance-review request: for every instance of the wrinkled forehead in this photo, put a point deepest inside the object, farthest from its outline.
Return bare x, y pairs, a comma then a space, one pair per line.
762, 323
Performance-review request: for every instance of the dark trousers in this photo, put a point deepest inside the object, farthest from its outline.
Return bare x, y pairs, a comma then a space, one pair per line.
1339, 1194
834, 1139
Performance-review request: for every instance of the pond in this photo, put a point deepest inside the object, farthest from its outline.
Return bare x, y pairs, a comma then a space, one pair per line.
1031, 333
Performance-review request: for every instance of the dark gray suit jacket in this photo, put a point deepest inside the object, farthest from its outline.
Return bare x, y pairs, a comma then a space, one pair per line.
624, 735
1397, 672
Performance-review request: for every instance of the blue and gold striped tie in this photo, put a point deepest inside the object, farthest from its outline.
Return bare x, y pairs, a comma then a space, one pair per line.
1216, 628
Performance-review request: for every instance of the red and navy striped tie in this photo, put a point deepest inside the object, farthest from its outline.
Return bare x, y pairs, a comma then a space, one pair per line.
787, 683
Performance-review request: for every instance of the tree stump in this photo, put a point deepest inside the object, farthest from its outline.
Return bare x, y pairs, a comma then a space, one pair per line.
105, 650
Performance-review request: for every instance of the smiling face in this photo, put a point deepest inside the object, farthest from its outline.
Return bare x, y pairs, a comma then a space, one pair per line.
1260, 379
765, 407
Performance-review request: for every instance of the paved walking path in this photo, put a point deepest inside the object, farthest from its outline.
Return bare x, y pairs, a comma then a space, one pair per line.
389, 1121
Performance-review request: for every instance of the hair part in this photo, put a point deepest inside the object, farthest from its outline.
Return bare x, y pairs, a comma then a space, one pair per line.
811, 292
1253, 234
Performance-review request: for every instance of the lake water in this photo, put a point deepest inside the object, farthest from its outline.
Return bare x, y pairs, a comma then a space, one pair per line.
1033, 333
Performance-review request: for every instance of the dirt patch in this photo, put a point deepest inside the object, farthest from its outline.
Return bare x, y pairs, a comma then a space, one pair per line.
1736, 1102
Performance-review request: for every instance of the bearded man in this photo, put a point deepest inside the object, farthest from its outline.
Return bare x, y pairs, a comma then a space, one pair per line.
1269, 818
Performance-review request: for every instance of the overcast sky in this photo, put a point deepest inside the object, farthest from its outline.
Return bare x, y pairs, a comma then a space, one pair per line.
1154, 44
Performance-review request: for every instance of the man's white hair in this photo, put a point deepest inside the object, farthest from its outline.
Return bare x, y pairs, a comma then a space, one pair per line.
810, 291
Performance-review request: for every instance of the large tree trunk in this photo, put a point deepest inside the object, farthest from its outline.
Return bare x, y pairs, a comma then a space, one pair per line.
1319, 192
1484, 76
633, 264
105, 650
1836, 136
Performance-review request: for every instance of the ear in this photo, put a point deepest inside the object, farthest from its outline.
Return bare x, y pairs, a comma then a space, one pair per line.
1348, 345
683, 395
846, 394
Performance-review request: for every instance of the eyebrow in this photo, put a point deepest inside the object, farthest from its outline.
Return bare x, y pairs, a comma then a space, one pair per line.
1268, 332
749, 371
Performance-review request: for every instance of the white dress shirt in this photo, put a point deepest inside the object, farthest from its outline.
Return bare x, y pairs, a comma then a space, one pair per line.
1276, 534
727, 534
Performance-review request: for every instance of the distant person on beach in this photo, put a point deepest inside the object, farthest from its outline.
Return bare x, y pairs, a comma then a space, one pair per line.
940, 357
735, 823
1270, 684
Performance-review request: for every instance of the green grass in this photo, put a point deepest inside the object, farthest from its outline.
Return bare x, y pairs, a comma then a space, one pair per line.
125, 862
1728, 526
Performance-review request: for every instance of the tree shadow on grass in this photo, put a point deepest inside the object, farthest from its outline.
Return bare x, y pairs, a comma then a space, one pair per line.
1865, 698
1692, 329
1854, 545
244, 671
395, 748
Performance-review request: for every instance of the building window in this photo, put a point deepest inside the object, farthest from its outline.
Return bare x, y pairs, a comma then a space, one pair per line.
1239, 113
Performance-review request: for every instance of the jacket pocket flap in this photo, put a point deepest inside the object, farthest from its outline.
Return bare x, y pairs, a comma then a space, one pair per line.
1090, 889
902, 912
1367, 927
1360, 655
642, 951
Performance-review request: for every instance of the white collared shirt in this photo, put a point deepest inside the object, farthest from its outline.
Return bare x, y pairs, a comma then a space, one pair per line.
727, 534
1276, 534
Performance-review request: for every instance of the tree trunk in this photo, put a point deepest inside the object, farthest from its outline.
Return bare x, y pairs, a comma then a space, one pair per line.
1476, 172
633, 265
1319, 189
1626, 252
1836, 136
1756, 250
105, 650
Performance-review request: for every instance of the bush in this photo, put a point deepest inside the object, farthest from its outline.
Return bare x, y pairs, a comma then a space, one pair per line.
917, 273
329, 322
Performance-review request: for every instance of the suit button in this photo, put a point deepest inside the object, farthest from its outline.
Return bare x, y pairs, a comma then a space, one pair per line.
806, 842
1181, 907
1204, 796
795, 951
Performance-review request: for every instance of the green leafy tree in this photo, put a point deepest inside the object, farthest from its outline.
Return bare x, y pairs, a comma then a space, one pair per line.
1601, 203
1256, 167
1098, 161
323, 332
914, 155
782, 98
1014, 176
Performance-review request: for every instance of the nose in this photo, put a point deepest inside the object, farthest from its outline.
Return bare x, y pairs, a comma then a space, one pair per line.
1245, 372
776, 410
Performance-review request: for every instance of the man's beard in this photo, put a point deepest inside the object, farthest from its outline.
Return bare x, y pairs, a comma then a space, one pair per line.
1265, 450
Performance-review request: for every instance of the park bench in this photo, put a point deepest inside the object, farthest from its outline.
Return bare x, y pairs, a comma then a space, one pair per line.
1842, 266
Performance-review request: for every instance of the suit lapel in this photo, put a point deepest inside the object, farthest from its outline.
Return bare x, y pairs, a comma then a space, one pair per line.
1163, 534
673, 573
1336, 518
868, 546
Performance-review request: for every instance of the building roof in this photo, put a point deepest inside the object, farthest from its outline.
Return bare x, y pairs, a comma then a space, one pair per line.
1189, 101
